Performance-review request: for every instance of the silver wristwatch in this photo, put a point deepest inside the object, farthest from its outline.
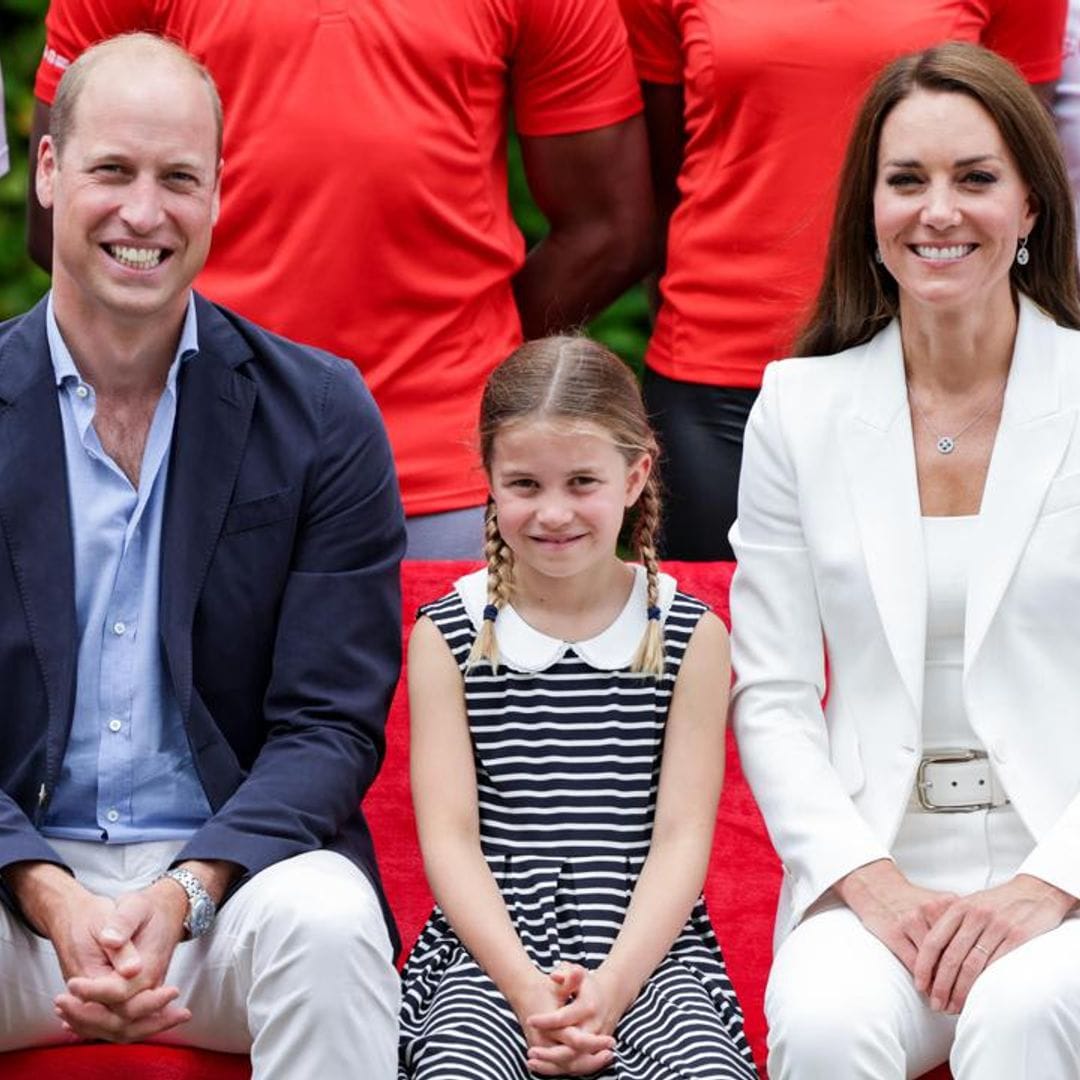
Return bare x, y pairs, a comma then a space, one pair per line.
201, 907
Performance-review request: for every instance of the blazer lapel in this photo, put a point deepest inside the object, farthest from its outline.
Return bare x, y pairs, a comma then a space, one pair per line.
34, 507
1031, 442
213, 416
879, 461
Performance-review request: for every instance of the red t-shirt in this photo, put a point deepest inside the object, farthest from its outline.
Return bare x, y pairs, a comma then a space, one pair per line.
364, 199
771, 91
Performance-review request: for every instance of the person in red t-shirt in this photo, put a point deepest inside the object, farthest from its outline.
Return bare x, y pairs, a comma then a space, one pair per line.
749, 107
364, 205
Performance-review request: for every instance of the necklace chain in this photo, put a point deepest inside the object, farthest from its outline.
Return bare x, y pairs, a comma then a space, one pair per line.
946, 444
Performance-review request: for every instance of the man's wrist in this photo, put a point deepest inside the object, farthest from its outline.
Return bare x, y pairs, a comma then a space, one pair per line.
216, 875
175, 897
41, 889
199, 909
197, 888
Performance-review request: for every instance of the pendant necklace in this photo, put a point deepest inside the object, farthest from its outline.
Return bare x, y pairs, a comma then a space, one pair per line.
946, 444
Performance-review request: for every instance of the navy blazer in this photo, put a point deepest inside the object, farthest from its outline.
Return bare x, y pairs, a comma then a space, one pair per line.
280, 594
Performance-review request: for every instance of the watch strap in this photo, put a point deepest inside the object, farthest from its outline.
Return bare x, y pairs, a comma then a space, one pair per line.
201, 907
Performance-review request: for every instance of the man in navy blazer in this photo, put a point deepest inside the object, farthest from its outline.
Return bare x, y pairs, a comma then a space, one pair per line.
199, 623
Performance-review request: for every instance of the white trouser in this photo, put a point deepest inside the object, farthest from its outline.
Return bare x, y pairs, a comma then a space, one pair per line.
297, 970
841, 1006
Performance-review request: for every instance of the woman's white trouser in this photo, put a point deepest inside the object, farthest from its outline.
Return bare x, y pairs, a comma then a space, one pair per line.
841, 1006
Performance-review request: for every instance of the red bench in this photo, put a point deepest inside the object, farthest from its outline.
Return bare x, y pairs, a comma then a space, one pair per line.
741, 888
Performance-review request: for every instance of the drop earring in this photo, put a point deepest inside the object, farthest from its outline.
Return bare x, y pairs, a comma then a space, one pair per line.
1023, 256
877, 256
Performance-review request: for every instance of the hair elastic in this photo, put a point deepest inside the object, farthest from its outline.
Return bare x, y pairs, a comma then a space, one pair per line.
491, 613
653, 612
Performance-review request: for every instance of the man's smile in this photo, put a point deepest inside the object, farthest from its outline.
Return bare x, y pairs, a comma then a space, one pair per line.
137, 258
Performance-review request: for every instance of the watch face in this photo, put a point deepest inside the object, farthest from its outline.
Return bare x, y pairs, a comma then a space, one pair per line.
200, 917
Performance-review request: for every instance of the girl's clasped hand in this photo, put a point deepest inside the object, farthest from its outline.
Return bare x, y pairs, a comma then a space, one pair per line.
576, 1037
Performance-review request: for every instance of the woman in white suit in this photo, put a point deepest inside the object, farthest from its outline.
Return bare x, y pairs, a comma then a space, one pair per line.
910, 510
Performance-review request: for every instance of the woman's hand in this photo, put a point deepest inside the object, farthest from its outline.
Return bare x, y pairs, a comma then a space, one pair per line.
976, 930
896, 912
558, 1048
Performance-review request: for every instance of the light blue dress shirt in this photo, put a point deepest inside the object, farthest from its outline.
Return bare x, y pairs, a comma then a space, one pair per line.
128, 774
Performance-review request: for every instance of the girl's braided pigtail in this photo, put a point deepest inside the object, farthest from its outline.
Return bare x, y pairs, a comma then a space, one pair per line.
649, 659
499, 571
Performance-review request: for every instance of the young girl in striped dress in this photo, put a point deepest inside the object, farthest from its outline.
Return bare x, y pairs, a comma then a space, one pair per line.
567, 740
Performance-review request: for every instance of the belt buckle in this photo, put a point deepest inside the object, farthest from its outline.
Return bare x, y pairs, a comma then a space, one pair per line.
944, 757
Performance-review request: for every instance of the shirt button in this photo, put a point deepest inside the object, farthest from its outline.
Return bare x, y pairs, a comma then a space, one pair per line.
118, 628
82, 391
115, 725
113, 815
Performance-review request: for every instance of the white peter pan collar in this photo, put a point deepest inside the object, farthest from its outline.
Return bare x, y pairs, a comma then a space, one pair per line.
525, 648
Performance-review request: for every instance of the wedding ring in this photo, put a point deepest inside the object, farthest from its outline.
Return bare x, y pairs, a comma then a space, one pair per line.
982, 948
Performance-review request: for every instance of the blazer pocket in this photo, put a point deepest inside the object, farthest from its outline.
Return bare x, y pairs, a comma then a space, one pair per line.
1062, 494
254, 513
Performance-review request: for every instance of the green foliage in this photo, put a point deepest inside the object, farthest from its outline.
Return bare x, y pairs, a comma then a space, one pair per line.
21, 283
624, 327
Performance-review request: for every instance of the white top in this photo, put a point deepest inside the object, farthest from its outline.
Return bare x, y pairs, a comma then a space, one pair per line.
525, 648
954, 852
948, 546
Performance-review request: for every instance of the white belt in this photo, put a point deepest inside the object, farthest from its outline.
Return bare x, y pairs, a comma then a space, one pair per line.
955, 782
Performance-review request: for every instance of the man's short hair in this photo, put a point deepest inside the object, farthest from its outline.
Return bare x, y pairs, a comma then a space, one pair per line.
62, 118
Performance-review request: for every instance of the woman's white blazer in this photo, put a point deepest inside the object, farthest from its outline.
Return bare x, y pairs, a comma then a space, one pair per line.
831, 562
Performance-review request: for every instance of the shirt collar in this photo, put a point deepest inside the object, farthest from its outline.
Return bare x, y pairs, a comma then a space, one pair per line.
525, 648
64, 364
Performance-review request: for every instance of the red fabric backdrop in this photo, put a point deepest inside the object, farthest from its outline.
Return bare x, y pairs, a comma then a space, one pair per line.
743, 880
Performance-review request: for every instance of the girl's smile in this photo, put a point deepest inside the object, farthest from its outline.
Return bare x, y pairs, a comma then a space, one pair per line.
561, 493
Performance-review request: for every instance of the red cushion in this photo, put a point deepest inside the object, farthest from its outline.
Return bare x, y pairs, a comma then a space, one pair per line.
100, 1062
741, 889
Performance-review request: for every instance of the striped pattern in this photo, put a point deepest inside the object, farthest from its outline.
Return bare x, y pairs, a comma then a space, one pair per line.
568, 763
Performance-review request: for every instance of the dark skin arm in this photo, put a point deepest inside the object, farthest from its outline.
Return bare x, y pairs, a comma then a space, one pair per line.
667, 142
593, 187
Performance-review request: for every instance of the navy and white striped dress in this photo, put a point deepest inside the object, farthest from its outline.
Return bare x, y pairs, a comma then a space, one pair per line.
567, 745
